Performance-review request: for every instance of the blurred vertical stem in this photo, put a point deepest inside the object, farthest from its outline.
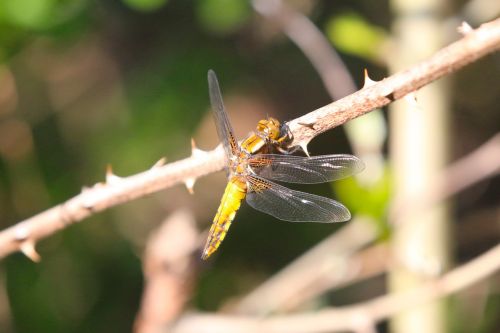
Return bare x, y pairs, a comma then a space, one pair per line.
419, 147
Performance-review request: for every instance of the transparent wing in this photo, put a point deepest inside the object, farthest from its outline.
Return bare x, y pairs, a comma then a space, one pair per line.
294, 206
224, 129
305, 170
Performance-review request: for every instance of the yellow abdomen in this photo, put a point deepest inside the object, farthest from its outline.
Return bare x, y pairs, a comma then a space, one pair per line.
234, 193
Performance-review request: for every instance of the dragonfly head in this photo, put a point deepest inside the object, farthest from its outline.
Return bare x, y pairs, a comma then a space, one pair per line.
270, 128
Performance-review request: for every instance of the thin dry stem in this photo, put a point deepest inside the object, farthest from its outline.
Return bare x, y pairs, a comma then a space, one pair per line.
331, 258
168, 272
302, 31
348, 318
473, 46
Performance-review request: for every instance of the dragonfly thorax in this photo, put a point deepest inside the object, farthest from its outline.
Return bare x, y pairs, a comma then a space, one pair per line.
238, 164
269, 136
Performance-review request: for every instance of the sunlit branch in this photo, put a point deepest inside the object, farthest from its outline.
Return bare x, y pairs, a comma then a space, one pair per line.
474, 45
116, 190
24, 235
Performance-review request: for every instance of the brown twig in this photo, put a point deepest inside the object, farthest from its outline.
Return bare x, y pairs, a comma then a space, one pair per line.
299, 29
24, 235
116, 190
348, 318
337, 272
471, 47
168, 271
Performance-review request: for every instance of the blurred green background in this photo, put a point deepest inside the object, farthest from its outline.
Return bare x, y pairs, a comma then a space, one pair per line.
86, 83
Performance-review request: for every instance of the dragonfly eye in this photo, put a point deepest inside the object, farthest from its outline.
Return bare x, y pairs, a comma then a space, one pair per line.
273, 121
261, 125
286, 133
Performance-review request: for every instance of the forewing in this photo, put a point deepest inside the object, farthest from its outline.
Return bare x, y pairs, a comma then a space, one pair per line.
305, 170
294, 206
224, 129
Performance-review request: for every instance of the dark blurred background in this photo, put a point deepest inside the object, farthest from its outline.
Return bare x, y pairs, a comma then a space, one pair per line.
87, 83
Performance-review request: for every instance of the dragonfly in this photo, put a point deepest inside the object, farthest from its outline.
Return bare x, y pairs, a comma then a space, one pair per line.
252, 170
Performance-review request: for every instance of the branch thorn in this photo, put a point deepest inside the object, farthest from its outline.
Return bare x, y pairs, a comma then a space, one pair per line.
28, 249
309, 124
161, 162
194, 150
368, 82
111, 178
303, 146
190, 184
464, 28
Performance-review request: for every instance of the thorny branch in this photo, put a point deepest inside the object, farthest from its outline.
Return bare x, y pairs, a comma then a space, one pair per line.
475, 44
23, 236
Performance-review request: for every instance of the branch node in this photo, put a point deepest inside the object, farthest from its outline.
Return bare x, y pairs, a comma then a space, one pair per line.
90, 197
21, 233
